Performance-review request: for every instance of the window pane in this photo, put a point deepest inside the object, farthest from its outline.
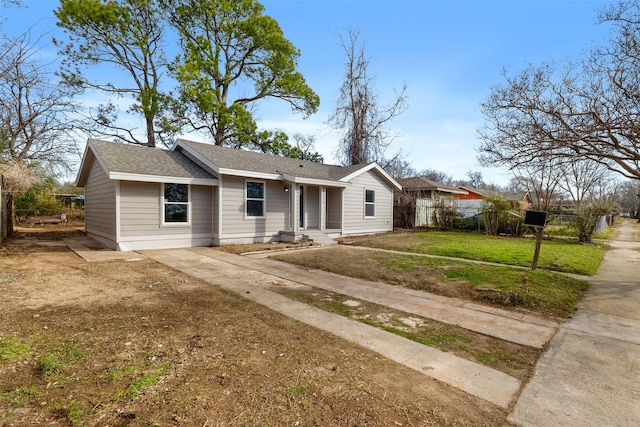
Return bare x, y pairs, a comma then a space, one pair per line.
370, 196
176, 213
254, 208
176, 193
255, 190
369, 210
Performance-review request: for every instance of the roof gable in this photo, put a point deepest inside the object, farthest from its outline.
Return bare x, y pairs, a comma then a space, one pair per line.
422, 183
139, 163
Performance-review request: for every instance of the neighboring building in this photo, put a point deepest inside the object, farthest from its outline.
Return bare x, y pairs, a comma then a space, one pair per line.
469, 204
520, 201
201, 195
415, 204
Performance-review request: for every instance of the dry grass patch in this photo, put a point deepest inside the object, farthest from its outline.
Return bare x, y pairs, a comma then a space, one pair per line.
513, 359
143, 345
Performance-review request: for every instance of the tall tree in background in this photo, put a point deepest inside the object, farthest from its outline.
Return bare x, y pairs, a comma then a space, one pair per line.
541, 179
436, 175
37, 116
584, 181
232, 57
37, 119
589, 109
127, 34
474, 178
358, 113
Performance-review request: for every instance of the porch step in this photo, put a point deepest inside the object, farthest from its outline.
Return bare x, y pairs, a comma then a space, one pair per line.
319, 237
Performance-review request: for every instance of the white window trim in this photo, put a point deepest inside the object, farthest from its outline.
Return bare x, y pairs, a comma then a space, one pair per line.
264, 199
162, 211
369, 203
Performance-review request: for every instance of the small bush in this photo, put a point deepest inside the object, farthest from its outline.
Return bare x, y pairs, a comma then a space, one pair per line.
444, 217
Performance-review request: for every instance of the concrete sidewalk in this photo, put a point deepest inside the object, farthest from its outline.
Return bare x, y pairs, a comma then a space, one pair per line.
589, 376
512, 326
251, 278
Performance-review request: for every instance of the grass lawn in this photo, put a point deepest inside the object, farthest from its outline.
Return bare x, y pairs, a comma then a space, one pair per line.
544, 292
557, 255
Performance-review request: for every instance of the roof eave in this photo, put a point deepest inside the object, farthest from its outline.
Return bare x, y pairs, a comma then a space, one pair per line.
125, 176
313, 181
378, 169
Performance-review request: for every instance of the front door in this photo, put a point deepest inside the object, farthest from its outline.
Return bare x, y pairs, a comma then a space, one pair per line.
301, 206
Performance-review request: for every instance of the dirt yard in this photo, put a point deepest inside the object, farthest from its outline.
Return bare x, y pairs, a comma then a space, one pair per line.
134, 343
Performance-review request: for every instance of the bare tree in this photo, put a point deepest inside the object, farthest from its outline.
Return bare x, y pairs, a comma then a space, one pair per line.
629, 197
37, 114
586, 109
475, 179
436, 176
584, 180
541, 180
358, 113
399, 168
37, 119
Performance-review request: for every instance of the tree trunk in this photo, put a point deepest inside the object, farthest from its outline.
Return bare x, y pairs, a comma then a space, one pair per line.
10, 215
151, 136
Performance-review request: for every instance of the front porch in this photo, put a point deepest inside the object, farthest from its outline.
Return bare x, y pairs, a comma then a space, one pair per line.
315, 213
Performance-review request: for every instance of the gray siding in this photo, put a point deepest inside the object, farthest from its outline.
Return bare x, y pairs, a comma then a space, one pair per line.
141, 208
312, 206
233, 221
215, 210
334, 207
354, 219
100, 205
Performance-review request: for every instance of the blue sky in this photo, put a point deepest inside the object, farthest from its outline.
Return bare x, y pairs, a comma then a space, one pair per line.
449, 53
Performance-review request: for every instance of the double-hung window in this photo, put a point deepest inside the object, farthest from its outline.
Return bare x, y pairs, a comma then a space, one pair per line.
175, 203
254, 199
369, 203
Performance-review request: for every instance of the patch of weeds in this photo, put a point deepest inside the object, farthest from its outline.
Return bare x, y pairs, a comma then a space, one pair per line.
11, 348
298, 392
136, 385
57, 360
22, 395
485, 358
76, 413
497, 355
435, 339
117, 374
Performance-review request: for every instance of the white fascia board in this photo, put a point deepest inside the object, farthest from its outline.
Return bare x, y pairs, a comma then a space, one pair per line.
99, 159
250, 174
378, 169
312, 181
82, 165
123, 176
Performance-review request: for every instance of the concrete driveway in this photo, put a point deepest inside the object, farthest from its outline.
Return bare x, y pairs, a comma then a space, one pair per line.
590, 374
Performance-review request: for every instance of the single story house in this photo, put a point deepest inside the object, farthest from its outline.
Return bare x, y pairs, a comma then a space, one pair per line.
199, 194
416, 203
469, 204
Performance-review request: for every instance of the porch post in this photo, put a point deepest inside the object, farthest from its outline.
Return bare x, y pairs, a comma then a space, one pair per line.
295, 207
323, 208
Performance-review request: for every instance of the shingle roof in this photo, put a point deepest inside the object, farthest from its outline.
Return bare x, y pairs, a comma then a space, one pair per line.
139, 160
422, 183
242, 160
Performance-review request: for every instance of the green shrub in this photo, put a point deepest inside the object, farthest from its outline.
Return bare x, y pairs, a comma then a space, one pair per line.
444, 217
